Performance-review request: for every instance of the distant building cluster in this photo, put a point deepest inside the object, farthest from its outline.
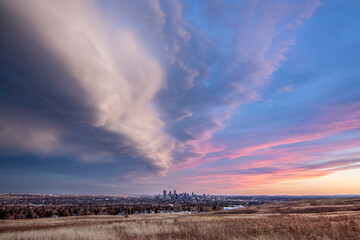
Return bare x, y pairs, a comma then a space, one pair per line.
185, 196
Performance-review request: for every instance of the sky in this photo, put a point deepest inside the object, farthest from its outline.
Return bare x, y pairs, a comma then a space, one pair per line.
215, 97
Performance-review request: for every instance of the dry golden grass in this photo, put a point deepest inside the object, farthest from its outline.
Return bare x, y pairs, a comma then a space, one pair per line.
302, 206
226, 225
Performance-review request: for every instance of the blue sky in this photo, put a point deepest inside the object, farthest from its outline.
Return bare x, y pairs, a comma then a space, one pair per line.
234, 97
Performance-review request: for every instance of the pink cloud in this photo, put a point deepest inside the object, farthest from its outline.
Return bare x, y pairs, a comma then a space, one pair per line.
288, 88
292, 156
326, 125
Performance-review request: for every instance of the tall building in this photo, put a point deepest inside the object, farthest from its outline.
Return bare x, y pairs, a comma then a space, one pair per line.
175, 197
164, 194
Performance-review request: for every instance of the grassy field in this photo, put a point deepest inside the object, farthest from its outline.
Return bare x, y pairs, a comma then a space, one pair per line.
308, 219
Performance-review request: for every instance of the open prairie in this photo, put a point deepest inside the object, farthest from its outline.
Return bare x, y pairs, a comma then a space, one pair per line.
306, 219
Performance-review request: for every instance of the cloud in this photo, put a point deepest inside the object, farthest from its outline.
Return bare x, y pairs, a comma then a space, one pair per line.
71, 67
325, 124
242, 44
35, 136
240, 179
288, 88
144, 86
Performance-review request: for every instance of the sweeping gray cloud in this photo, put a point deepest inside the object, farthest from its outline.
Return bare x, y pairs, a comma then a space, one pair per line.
84, 80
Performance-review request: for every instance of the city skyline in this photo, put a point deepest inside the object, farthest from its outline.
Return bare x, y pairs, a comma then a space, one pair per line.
219, 97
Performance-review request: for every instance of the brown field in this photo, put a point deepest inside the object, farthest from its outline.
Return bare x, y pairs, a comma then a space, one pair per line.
307, 219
